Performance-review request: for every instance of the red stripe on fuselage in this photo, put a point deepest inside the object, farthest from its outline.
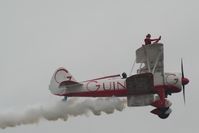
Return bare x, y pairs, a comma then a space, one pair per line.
107, 93
119, 93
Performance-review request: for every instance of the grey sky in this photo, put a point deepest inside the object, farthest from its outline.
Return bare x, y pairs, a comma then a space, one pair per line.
95, 38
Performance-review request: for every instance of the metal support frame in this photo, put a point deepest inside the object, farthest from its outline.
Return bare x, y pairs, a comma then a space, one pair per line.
156, 62
147, 59
132, 68
140, 68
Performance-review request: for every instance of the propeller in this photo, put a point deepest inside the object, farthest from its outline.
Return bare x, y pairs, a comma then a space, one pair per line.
183, 86
184, 81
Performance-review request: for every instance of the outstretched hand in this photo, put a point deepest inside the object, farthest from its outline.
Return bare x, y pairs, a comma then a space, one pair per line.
159, 38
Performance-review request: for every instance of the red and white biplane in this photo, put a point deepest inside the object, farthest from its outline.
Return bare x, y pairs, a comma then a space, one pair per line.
150, 86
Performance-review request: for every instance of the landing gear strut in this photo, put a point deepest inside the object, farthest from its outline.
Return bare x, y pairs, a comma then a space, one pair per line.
64, 99
162, 105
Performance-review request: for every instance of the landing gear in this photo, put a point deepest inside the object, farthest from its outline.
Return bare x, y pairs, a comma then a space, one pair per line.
163, 113
162, 105
64, 99
164, 116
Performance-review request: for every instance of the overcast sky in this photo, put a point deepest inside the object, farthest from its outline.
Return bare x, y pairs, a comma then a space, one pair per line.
93, 38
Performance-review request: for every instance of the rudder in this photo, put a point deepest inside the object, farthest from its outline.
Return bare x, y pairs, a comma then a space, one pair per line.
61, 77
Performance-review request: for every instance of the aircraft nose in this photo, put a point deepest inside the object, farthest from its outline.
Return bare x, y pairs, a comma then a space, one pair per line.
185, 81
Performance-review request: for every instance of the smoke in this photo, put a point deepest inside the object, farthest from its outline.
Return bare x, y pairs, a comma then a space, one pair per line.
61, 110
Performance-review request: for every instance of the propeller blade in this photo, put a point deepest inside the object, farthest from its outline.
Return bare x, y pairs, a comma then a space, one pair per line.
183, 86
182, 69
184, 94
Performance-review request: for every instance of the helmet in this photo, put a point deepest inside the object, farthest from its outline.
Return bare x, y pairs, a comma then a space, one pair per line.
148, 35
124, 75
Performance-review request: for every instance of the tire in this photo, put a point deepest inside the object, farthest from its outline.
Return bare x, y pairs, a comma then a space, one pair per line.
164, 116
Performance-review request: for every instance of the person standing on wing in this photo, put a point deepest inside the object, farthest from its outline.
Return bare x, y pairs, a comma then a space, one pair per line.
148, 39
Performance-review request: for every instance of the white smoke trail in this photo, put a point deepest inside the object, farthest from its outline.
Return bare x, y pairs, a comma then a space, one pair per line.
61, 110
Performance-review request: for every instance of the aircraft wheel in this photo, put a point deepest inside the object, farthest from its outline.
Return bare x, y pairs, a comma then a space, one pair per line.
64, 99
164, 116
165, 113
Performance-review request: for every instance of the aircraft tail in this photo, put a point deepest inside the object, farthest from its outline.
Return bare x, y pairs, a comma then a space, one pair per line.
60, 80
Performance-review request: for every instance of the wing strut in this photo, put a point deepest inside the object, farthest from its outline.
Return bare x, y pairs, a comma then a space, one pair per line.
156, 62
147, 59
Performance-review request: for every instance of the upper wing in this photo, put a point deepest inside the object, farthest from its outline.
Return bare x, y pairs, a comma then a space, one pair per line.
152, 56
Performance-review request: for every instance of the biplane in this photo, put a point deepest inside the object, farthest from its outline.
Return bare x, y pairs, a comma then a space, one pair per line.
149, 86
